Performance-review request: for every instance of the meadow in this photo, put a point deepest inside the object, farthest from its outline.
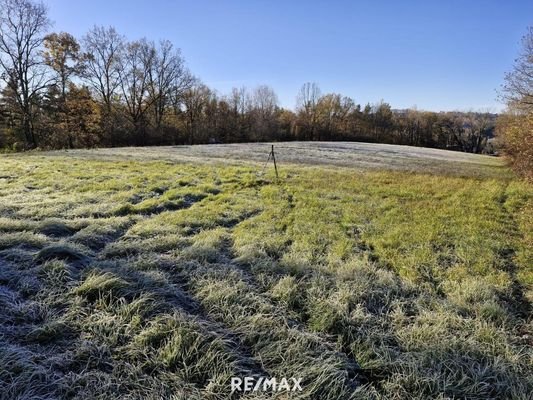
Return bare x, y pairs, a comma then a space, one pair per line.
396, 273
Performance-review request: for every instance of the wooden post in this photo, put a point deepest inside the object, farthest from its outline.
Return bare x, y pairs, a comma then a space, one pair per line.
274, 158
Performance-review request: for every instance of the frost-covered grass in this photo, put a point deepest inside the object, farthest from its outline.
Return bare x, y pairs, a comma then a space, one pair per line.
144, 278
359, 156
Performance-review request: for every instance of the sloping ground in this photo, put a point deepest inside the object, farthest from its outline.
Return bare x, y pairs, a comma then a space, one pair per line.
122, 277
362, 156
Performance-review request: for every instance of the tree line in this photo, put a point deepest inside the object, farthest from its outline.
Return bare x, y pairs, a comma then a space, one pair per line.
102, 89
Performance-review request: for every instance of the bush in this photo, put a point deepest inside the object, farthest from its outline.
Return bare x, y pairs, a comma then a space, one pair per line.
516, 130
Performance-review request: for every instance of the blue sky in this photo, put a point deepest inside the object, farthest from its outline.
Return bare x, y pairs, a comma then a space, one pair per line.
436, 55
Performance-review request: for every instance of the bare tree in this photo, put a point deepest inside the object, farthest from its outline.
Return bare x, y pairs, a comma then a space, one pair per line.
518, 87
306, 106
239, 102
23, 24
264, 102
195, 101
103, 49
168, 80
134, 73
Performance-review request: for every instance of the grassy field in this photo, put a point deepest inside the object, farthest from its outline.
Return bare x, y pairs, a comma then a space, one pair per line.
162, 273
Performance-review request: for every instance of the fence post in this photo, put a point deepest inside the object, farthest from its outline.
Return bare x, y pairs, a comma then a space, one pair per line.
274, 158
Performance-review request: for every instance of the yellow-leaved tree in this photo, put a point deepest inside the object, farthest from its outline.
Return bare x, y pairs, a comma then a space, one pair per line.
515, 126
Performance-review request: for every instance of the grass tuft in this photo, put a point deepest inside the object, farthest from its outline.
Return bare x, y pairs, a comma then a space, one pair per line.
65, 252
99, 283
55, 228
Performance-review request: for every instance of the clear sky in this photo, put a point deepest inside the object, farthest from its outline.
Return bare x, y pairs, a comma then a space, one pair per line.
436, 55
